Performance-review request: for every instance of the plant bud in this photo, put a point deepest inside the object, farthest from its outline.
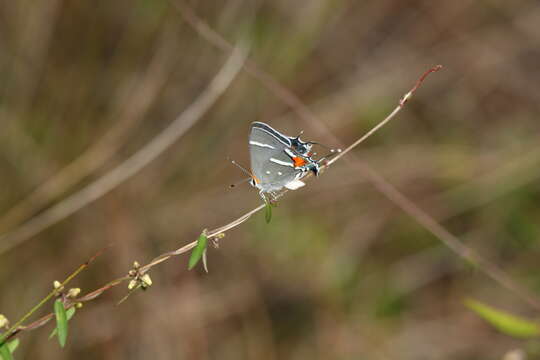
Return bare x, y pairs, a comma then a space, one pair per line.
146, 280
132, 284
73, 292
4, 322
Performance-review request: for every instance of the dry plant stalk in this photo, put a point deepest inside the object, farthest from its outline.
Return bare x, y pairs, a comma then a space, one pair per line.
136, 162
379, 183
215, 235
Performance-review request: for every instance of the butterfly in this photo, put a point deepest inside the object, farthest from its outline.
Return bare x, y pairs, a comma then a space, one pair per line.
278, 161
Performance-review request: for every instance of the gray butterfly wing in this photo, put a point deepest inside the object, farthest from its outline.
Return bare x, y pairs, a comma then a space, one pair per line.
270, 164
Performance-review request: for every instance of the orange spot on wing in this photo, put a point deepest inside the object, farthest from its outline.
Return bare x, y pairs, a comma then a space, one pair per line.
257, 181
298, 161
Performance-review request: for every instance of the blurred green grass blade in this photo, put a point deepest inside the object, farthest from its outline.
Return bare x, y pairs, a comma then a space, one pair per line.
13, 345
268, 212
504, 322
61, 322
69, 313
197, 253
5, 354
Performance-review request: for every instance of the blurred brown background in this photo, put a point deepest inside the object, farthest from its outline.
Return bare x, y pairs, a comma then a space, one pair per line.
340, 272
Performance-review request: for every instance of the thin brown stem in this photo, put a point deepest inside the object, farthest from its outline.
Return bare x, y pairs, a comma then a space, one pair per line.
215, 234
180, 125
389, 117
381, 184
17, 326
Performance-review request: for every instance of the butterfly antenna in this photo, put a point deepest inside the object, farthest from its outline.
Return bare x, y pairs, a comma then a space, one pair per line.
243, 170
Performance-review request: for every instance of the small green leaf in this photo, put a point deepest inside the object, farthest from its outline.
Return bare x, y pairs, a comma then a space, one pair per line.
13, 345
504, 322
197, 253
268, 213
5, 354
61, 322
69, 314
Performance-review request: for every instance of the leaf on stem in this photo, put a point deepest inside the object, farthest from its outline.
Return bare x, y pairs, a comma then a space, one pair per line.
69, 314
268, 212
197, 253
61, 322
13, 345
5, 353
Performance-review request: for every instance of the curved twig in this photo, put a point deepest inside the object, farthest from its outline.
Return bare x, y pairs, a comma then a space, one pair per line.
212, 234
381, 184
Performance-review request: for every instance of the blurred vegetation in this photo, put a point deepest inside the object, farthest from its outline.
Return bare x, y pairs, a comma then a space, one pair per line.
339, 272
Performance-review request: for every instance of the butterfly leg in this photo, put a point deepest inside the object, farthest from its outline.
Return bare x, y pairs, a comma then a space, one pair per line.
272, 198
